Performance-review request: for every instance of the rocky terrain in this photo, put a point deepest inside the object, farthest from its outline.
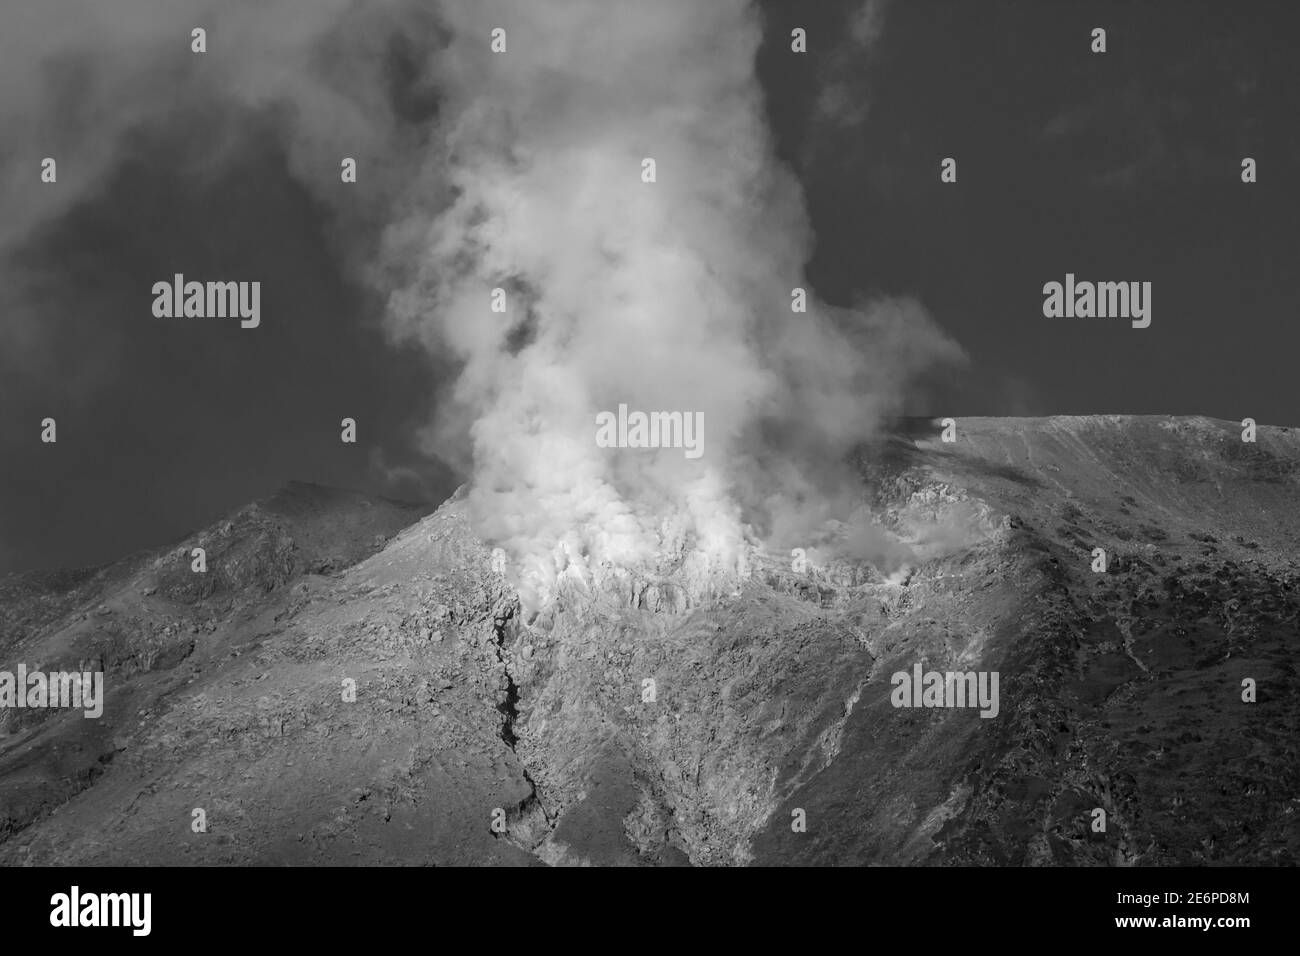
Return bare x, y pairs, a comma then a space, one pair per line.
671, 722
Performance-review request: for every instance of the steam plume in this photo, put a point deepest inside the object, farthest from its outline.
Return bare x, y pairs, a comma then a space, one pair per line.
666, 296
525, 174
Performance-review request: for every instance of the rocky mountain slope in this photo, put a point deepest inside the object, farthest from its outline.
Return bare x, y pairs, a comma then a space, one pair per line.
665, 722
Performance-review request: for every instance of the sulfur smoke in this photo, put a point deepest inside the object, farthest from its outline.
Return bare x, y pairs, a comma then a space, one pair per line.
674, 295
527, 176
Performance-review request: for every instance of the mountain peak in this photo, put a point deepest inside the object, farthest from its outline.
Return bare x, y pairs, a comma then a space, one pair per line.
663, 718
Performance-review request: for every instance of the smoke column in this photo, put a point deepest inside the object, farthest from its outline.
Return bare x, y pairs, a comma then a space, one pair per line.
666, 296
523, 170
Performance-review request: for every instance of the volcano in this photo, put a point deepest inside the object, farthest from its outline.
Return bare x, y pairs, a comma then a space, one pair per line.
353, 680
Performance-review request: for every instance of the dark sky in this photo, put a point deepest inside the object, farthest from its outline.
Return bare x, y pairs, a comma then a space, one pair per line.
165, 426
1115, 166
1122, 166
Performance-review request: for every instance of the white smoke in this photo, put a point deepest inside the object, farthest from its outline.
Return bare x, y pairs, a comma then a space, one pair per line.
670, 296
666, 296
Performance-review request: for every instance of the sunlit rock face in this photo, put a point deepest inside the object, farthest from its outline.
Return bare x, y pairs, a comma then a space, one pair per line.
688, 713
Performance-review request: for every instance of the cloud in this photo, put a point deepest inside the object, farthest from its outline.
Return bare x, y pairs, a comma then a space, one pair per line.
1132, 137
80, 81
843, 99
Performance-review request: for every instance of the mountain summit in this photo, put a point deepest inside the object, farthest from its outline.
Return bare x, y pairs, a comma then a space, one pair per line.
352, 680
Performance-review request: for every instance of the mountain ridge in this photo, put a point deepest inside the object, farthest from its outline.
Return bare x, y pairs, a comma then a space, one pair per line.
1120, 690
